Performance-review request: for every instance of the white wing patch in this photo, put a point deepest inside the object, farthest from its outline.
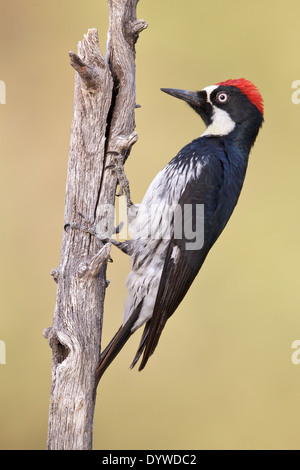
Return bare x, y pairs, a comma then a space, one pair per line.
175, 253
153, 230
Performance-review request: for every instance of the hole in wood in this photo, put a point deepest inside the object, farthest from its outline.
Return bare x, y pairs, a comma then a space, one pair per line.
61, 352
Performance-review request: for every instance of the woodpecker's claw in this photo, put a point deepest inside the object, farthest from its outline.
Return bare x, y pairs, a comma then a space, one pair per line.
123, 246
124, 188
120, 151
90, 230
122, 180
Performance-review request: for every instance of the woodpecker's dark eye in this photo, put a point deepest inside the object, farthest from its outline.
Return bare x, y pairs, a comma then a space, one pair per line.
222, 97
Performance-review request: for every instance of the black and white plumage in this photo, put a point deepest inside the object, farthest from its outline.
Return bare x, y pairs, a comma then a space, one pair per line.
209, 173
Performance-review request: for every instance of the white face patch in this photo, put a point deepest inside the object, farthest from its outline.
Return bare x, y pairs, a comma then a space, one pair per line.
222, 124
209, 90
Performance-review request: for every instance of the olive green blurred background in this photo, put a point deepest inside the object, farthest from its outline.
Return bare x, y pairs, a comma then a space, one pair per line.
222, 376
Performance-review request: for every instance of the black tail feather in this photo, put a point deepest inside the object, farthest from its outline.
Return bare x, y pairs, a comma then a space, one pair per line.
117, 343
142, 344
150, 344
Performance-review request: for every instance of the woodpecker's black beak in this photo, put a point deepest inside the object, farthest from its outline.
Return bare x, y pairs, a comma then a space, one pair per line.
191, 97
196, 99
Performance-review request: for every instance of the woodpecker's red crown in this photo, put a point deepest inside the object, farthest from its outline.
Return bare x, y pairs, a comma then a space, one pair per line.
249, 89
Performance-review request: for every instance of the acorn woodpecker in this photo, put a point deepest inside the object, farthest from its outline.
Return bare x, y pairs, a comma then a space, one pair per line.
172, 237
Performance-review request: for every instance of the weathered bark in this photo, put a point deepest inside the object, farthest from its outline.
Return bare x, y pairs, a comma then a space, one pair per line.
101, 138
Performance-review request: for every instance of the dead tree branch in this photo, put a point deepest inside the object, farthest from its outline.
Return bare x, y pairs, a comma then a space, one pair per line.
101, 139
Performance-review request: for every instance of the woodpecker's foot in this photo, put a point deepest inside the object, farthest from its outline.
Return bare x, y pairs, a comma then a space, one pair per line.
120, 151
89, 230
123, 182
123, 246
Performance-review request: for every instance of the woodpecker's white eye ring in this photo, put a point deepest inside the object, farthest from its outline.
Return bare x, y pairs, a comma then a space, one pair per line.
222, 97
